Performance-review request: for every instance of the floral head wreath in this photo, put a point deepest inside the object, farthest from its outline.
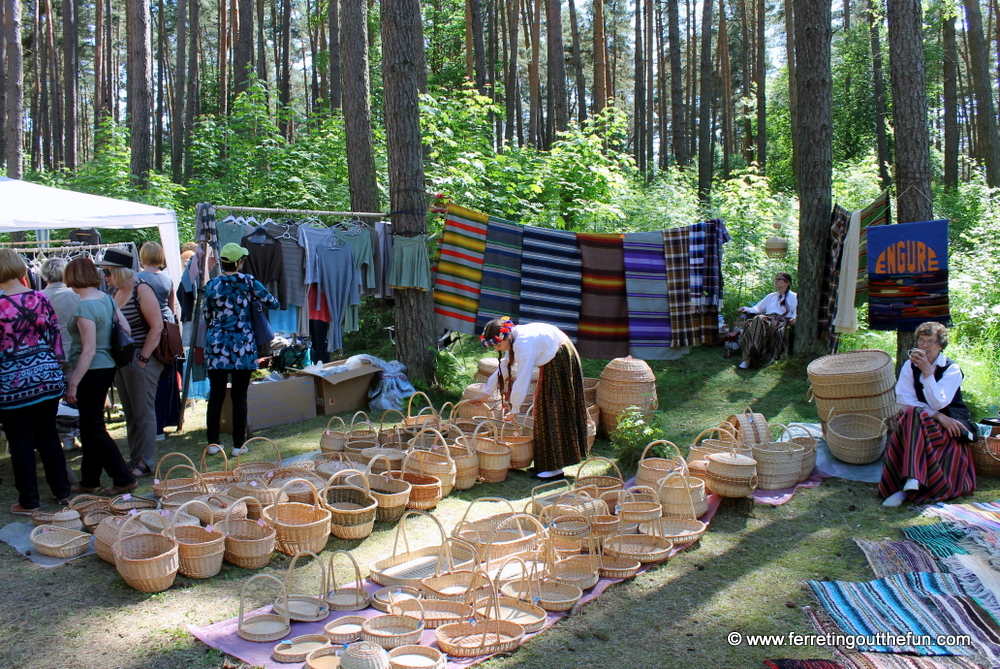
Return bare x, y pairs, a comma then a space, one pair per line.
506, 325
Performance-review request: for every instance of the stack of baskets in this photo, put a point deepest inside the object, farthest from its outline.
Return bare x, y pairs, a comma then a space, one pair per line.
485, 369
625, 382
857, 382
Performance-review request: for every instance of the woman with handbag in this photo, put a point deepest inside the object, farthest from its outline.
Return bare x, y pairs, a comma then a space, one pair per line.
31, 383
927, 456
764, 338
89, 383
231, 350
137, 382
168, 392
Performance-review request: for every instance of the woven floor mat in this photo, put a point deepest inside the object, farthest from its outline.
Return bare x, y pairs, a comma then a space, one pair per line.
897, 557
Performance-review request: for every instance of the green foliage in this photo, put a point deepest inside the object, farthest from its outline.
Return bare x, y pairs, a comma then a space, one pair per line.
636, 428
671, 201
449, 370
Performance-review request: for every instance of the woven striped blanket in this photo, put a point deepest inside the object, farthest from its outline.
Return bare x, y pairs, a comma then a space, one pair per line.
460, 270
919, 607
501, 287
604, 325
828, 287
685, 325
941, 539
877, 213
551, 274
979, 515
646, 292
896, 557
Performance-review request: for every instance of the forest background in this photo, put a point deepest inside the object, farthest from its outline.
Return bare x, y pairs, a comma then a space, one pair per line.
592, 115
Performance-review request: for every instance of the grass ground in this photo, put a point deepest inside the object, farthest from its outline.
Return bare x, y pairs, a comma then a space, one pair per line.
747, 573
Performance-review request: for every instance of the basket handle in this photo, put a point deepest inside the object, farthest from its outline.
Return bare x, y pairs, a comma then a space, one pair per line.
438, 437
409, 404
516, 520
663, 441
332, 479
525, 579
419, 461
331, 585
354, 418
172, 529
599, 457
283, 596
771, 426
204, 458
687, 489
281, 491
724, 435
245, 499
451, 555
343, 425
401, 529
117, 548
810, 395
381, 421
43, 529
401, 607
546, 486
198, 483
277, 453
290, 572
500, 500
156, 473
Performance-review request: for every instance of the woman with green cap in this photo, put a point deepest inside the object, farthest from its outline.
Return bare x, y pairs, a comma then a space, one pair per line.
230, 348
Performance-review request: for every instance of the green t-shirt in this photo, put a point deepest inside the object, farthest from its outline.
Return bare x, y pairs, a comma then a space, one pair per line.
101, 311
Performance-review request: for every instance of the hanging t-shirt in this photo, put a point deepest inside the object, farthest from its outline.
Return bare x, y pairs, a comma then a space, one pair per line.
338, 281
360, 242
309, 237
293, 259
265, 261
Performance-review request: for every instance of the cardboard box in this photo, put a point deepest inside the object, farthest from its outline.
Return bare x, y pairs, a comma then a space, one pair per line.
271, 403
338, 391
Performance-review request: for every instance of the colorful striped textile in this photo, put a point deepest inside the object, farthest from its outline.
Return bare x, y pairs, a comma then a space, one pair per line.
940, 539
918, 447
460, 270
646, 292
551, 274
828, 287
896, 557
696, 260
560, 412
974, 572
976, 515
684, 324
604, 318
877, 213
917, 604
716, 236
501, 287
802, 664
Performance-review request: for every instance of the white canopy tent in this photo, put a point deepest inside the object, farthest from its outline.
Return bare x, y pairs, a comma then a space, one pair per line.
28, 206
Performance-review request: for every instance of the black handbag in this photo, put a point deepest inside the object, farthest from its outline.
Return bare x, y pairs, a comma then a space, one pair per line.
263, 333
122, 344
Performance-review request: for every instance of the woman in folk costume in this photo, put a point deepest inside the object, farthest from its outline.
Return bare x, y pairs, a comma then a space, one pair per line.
560, 426
927, 456
763, 339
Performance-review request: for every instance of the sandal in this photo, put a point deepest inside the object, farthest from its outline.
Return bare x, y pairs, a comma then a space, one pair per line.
141, 469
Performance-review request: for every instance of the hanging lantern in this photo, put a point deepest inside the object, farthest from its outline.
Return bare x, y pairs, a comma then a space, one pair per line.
776, 247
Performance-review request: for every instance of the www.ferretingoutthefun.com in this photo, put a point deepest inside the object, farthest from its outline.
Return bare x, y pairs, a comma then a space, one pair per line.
848, 640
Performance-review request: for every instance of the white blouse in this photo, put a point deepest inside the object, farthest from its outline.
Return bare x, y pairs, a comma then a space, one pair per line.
939, 394
771, 305
535, 344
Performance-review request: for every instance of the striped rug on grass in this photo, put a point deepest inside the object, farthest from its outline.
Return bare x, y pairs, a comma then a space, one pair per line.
501, 287
460, 270
551, 274
646, 293
941, 539
896, 557
919, 607
979, 515
604, 325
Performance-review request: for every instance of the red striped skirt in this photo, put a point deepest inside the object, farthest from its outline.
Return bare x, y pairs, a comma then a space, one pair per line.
918, 447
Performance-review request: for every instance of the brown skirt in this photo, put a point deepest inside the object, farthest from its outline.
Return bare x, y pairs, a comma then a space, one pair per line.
560, 412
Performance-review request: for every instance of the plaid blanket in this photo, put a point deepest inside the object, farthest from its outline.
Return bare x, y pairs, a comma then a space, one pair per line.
501, 287
684, 324
831, 273
646, 293
551, 275
604, 325
460, 270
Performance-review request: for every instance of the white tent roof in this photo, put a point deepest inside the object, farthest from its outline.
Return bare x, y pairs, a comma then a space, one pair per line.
28, 206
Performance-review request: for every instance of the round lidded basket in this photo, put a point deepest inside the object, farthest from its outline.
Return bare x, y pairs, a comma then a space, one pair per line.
862, 373
364, 655
68, 518
855, 438
627, 370
731, 474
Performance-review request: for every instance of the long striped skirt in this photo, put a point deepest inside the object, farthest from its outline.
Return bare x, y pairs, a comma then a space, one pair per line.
560, 425
763, 340
920, 448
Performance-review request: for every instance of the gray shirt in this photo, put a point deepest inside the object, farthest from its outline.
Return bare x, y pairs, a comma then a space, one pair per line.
64, 300
161, 285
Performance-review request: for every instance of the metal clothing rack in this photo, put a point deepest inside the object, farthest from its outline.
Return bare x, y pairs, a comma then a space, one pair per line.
301, 212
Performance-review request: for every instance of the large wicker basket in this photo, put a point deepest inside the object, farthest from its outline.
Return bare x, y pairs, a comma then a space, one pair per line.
862, 373
749, 428
778, 462
436, 461
411, 566
353, 508
485, 637
332, 440
263, 626
199, 549
681, 494
731, 474
808, 444
59, 542
249, 543
147, 562
856, 438
986, 456
391, 494
252, 470
299, 527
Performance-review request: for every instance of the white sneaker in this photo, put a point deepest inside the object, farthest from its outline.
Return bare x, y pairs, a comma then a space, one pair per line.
895, 499
161, 436
240, 450
744, 365
213, 449
911, 484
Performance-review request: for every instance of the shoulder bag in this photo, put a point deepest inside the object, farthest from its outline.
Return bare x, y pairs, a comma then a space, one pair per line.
122, 344
171, 345
263, 333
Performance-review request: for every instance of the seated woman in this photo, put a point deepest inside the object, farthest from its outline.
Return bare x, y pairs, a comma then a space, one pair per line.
927, 457
763, 340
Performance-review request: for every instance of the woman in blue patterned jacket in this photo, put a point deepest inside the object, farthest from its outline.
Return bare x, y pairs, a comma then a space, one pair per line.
230, 348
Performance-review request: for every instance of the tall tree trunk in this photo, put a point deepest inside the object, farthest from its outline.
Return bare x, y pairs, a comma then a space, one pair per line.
639, 111
243, 50
662, 92
192, 105
14, 126
285, 69
747, 65
881, 136
180, 90
812, 60
333, 29
415, 331
37, 124
727, 91
705, 148
140, 70
357, 107
762, 86
534, 79
224, 31
950, 84
556, 69
793, 87
478, 44
261, 42
581, 78
55, 76
601, 92
986, 116
421, 55
100, 26
470, 57
650, 91
691, 90
159, 112
512, 86
679, 118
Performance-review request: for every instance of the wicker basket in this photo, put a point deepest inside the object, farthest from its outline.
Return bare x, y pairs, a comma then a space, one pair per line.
299, 527
297, 648
383, 598
362, 655
749, 428
470, 410
531, 618
362, 430
425, 489
309, 605
585, 499
59, 542
345, 598
590, 386
678, 492
127, 503
161, 487
297, 492
215, 480
416, 657
263, 627
466, 466
808, 444
410, 567
485, 637
436, 462
778, 463
638, 505
147, 562
628, 370
856, 438
353, 509
423, 418
704, 444
344, 629
332, 440
878, 406
68, 518
522, 447
581, 570
487, 534
391, 494
249, 543
986, 456
493, 455
219, 505
84, 504
393, 629
549, 595
679, 529
603, 482
642, 547
199, 549
859, 373
732, 474
459, 585
652, 469
261, 490
93, 518
433, 612
260, 469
